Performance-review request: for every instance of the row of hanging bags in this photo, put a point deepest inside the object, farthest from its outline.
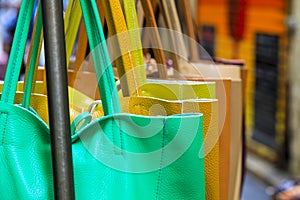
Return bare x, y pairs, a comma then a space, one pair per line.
117, 156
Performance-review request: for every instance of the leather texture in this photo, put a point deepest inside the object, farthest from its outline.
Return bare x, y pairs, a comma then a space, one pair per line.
193, 91
119, 156
234, 73
223, 91
155, 38
130, 77
26, 158
236, 140
209, 107
150, 106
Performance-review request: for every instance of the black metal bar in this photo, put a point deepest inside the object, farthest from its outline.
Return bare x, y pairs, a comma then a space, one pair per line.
56, 74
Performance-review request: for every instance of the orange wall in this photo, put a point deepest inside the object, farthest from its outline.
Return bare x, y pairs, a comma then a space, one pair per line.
264, 16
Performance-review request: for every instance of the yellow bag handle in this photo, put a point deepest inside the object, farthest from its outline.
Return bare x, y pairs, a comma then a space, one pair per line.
172, 21
72, 26
134, 34
126, 63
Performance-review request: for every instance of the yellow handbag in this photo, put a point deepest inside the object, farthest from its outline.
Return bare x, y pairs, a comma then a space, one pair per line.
233, 73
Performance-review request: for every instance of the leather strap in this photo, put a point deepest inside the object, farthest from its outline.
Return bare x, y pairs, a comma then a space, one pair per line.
167, 16
155, 38
68, 14
32, 60
176, 26
135, 38
172, 20
82, 47
126, 64
101, 58
72, 28
82, 42
17, 52
186, 8
140, 13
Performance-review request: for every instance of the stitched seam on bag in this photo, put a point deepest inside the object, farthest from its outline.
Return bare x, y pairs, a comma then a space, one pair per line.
161, 161
113, 138
121, 137
14, 59
5, 125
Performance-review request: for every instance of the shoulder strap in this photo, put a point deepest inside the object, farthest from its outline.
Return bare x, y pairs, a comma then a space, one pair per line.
32, 60
135, 38
186, 7
82, 41
72, 28
121, 43
155, 38
17, 52
102, 63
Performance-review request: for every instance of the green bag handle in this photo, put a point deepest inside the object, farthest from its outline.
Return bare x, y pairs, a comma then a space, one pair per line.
17, 52
32, 66
101, 58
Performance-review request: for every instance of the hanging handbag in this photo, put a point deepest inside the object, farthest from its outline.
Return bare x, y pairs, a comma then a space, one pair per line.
119, 156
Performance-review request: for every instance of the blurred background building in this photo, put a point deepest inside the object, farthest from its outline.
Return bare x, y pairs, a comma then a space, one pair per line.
264, 34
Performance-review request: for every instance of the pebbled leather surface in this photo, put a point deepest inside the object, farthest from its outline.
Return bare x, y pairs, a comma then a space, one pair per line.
232, 72
209, 107
159, 100
223, 90
25, 157
189, 92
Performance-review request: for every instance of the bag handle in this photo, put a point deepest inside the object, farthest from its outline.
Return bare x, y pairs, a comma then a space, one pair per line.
186, 8
32, 61
72, 27
135, 76
158, 51
101, 58
17, 52
134, 34
170, 15
134, 68
82, 41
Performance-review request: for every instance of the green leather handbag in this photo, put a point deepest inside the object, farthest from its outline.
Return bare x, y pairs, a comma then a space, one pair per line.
119, 156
